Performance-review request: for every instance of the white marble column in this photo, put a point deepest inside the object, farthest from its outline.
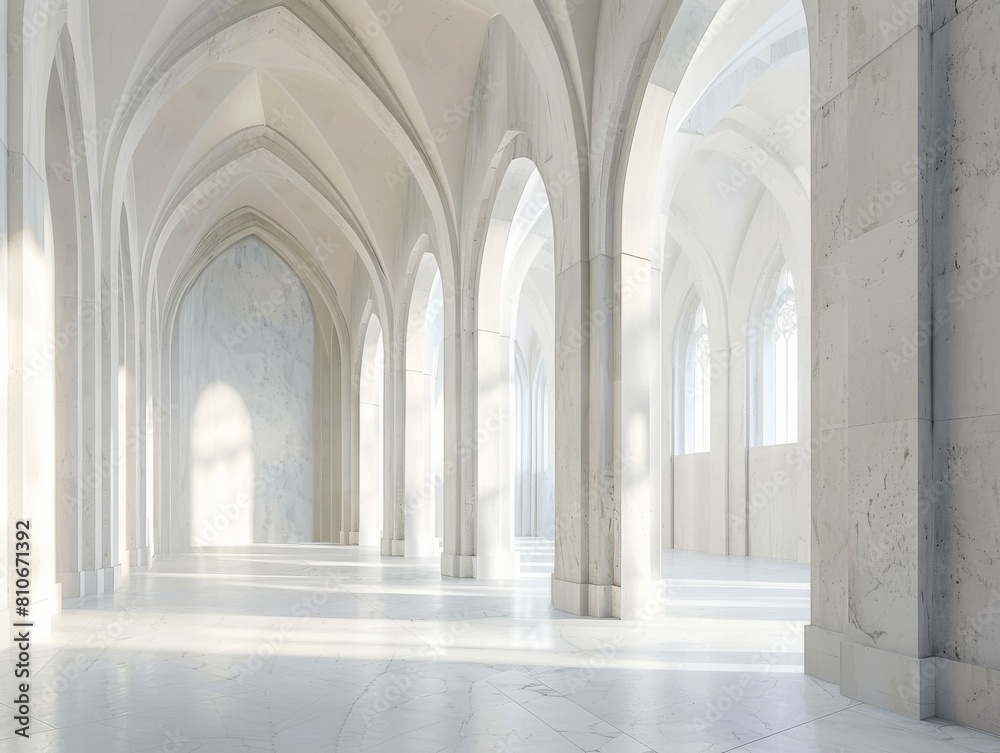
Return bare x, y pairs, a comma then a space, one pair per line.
340, 422
871, 630
125, 471
5, 351
323, 527
108, 574
337, 485
458, 558
633, 428
67, 408
30, 409
141, 555
358, 456
959, 99
138, 554
28, 303
331, 431
395, 450
574, 549
157, 423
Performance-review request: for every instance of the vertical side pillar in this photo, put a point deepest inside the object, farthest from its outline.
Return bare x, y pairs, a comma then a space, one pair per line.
29, 448
458, 559
574, 483
885, 647
395, 447
633, 428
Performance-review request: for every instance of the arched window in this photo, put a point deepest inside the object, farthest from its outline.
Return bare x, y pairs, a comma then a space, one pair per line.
777, 383
693, 381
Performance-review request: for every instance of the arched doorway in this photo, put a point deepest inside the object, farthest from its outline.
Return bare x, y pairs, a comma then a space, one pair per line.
516, 399
423, 517
728, 120
247, 335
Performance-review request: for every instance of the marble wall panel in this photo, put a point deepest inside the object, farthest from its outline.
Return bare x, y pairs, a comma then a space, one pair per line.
778, 502
246, 333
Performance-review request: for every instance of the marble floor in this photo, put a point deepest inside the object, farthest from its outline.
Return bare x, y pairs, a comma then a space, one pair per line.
308, 648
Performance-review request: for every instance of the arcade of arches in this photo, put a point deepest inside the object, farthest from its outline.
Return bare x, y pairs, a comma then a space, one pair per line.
577, 374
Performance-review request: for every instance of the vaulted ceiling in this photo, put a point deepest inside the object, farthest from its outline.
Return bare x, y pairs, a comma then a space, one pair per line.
313, 113
332, 118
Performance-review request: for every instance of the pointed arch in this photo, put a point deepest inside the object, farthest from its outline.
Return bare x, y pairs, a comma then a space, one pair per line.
231, 156
774, 354
196, 45
332, 368
85, 319
422, 451
693, 380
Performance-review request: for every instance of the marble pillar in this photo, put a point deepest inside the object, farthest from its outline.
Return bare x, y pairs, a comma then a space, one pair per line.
873, 531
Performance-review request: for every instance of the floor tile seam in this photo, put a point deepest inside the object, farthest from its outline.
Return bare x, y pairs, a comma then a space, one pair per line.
793, 727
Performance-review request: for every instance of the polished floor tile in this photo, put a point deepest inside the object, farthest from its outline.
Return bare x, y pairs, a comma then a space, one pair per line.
322, 648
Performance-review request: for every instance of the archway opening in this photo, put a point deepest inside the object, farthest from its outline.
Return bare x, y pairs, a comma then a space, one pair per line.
246, 333
516, 396
722, 212
423, 523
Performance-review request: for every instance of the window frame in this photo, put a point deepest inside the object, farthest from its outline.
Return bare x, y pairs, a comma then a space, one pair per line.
693, 379
774, 417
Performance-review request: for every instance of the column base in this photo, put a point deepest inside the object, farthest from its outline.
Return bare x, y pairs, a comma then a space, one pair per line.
393, 547
968, 695
898, 683
458, 565
584, 599
89, 582
604, 601
102, 581
569, 597
917, 688
139, 557
891, 681
822, 654
71, 584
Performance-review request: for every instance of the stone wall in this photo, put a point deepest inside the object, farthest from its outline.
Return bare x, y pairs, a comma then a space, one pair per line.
246, 336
